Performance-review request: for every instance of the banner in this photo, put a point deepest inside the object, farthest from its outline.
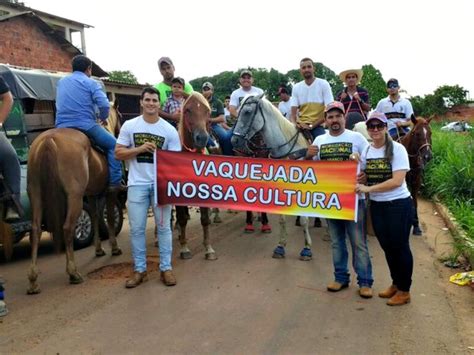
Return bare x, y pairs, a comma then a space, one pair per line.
291, 187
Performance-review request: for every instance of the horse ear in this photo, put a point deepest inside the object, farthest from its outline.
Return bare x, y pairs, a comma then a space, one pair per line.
413, 118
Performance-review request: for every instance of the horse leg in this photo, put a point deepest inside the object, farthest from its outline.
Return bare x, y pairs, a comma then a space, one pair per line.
416, 223
205, 222
74, 208
249, 223
217, 218
35, 234
182, 220
306, 253
110, 200
265, 226
94, 205
279, 251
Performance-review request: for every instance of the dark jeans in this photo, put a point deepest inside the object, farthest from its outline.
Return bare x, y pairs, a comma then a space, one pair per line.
317, 131
392, 222
9, 165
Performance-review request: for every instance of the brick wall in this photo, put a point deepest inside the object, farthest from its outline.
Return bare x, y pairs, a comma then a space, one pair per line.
24, 44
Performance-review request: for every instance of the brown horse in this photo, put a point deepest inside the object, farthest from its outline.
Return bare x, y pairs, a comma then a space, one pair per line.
193, 129
418, 145
62, 169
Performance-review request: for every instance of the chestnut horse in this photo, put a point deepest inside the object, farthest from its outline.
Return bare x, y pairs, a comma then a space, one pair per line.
62, 169
418, 145
193, 129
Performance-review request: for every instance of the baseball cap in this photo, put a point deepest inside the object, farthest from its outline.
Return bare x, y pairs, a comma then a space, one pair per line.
377, 116
245, 72
207, 84
335, 105
165, 60
178, 80
392, 83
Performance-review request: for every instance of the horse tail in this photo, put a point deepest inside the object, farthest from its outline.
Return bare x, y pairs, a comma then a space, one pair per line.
53, 197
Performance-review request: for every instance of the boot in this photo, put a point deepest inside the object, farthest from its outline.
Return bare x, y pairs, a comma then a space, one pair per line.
399, 299
336, 286
389, 292
168, 278
136, 279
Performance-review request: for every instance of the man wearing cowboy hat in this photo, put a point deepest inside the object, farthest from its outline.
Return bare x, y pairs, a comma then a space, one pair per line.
355, 98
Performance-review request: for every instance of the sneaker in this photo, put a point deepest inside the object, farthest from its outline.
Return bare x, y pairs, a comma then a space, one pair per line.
266, 228
168, 278
11, 215
336, 286
365, 292
400, 298
249, 228
389, 292
136, 279
3, 309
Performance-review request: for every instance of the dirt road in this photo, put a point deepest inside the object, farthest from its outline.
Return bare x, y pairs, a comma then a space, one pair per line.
243, 303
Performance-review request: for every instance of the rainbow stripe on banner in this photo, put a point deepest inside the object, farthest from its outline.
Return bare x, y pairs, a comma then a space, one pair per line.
302, 187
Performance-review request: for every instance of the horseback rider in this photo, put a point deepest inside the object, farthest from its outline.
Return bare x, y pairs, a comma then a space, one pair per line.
397, 109
9, 163
78, 100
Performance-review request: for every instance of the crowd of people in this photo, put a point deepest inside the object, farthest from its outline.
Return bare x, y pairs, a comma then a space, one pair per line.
82, 104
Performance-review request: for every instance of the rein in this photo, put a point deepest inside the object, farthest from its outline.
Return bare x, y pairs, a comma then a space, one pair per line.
417, 156
254, 147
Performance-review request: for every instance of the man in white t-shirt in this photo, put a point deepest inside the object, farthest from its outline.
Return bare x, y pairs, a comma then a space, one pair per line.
340, 144
309, 97
284, 106
139, 138
246, 88
397, 109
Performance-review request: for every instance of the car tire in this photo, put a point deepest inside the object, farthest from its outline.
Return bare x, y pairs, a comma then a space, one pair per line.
84, 232
103, 230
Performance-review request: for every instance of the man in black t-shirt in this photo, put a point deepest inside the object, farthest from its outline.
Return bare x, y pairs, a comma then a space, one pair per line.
9, 164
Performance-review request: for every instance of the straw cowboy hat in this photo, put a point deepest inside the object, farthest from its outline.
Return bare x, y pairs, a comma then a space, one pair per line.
357, 72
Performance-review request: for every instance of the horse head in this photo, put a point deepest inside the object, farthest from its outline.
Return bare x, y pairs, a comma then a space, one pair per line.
249, 122
195, 122
418, 141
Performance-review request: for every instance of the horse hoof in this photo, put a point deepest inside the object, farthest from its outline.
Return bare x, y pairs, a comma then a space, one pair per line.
266, 228
417, 230
75, 279
217, 219
33, 290
99, 253
117, 251
249, 228
279, 252
211, 256
185, 255
306, 254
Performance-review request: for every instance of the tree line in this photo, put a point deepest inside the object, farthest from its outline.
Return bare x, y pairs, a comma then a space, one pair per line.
269, 81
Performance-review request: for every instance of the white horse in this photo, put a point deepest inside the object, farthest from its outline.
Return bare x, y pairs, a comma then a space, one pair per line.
282, 140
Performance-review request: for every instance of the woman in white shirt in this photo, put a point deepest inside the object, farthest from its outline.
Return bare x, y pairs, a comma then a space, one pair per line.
386, 163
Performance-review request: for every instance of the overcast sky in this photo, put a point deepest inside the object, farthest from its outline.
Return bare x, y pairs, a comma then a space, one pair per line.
424, 44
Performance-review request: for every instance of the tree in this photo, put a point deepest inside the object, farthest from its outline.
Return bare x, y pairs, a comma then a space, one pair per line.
440, 101
125, 76
372, 80
321, 71
453, 95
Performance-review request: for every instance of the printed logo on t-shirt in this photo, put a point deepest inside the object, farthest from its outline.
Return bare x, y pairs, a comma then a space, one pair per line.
142, 138
335, 151
395, 114
378, 170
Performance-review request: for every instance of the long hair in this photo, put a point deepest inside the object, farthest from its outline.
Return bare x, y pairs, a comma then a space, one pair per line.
388, 147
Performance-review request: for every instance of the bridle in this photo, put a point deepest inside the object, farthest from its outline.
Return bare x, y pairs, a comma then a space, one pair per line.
255, 100
187, 128
417, 156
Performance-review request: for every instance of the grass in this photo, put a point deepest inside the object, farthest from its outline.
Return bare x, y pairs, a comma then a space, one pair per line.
450, 177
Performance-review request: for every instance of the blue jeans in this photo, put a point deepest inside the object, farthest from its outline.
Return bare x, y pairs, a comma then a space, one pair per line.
339, 230
224, 137
140, 197
392, 222
317, 131
107, 142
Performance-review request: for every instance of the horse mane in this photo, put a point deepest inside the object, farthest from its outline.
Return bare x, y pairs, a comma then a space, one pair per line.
286, 127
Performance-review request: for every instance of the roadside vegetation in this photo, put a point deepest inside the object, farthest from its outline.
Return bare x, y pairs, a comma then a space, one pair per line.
449, 177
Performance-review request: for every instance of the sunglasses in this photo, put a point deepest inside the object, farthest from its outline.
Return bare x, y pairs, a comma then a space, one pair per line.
206, 88
379, 126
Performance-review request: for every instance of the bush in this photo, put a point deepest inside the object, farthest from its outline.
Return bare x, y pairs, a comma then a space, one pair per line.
450, 175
